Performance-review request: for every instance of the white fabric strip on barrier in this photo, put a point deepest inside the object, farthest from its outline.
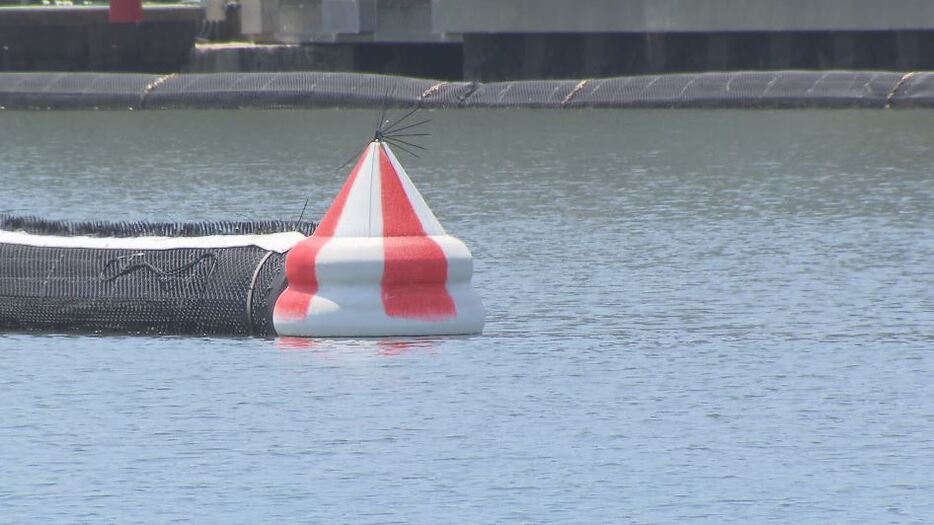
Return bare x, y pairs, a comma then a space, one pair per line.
275, 242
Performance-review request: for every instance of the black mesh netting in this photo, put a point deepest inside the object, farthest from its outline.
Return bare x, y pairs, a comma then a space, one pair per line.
537, 93
73, 90
447, 94
204, 291
42, 226
915, 90
741, 89
302, 89
318, 89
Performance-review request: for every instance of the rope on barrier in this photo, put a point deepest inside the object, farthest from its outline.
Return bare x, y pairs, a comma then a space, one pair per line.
906, 77
580, 85
152, 86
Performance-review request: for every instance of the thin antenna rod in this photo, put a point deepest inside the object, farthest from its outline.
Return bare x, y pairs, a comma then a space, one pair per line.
403, 148
408, 144
303, 209
379, 125
403, 128
403, 117
409, 135
346, 162
382, 117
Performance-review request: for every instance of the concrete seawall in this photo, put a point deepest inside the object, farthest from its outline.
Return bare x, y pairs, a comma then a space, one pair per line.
750, 89
479, 40
79, 38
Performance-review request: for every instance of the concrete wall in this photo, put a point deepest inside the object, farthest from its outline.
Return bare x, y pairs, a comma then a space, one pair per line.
527, 39
444, 20
492, 57
649, 16
79, 38
487, 40
346, 21
438, 61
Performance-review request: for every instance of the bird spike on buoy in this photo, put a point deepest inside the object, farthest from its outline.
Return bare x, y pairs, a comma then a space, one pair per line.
379, 263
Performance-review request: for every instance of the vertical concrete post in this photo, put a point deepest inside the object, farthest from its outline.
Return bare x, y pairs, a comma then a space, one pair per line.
655, 58
609, 54
534, 56
907, 48
719, 50
844, 50
782, 52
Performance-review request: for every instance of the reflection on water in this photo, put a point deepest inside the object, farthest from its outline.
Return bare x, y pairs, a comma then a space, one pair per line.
387, 347
693, 316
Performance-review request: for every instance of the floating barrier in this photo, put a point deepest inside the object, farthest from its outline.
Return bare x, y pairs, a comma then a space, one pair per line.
74, 90
149, 278
379, 264
741, 89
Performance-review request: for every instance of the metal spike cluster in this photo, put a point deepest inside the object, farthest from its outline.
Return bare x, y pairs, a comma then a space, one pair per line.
395, 134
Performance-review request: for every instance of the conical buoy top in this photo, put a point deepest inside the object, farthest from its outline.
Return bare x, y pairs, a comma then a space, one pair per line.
379, 263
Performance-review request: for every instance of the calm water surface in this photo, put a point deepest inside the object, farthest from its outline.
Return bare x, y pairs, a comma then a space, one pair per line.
694, 316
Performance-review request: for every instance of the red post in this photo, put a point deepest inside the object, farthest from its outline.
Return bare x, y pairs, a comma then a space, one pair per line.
123, 11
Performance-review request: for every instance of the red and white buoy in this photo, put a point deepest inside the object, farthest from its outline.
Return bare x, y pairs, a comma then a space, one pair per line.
379, 264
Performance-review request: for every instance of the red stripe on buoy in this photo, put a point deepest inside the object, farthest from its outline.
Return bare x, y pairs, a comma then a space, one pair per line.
300, 262
399, 218
302, 278
416, 269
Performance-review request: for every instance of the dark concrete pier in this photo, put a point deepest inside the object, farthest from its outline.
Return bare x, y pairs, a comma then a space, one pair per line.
79, 38
534, 39
484, 40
